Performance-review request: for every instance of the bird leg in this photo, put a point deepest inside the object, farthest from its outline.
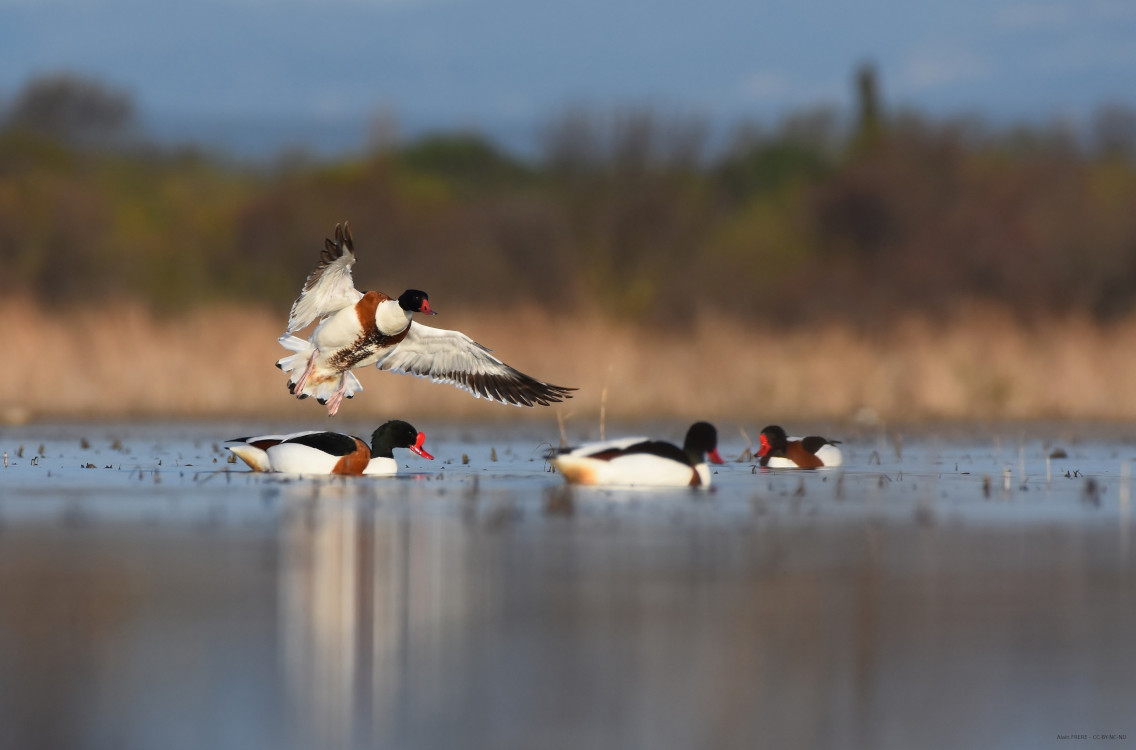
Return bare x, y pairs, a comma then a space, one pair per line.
302, 381
337, 397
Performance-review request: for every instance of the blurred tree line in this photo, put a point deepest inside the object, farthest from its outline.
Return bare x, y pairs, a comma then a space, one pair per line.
640, 216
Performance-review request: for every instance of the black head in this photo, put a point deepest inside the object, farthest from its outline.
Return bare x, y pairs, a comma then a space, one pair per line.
414, 300
701, 440
397, 434
773, 441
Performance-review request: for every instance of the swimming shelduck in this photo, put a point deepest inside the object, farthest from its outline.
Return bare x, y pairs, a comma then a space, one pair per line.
779, 451
640, 462
315, 452
357, 329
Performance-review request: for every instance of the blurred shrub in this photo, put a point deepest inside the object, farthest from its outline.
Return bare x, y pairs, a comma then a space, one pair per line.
630, 213
72, 109
466, 159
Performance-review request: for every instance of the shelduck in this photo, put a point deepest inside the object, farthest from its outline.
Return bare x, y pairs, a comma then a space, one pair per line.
357, 329
779, 451
316, 452
642, 462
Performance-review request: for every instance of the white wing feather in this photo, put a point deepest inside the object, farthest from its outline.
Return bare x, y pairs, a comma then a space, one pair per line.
330, 287
588, 449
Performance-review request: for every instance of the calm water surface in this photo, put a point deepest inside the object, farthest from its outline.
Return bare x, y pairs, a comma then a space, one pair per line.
949, 587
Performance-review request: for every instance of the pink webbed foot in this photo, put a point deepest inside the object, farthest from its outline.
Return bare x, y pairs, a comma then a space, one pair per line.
337, 397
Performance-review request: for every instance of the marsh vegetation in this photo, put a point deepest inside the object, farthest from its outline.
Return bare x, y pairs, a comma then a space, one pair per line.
818, 265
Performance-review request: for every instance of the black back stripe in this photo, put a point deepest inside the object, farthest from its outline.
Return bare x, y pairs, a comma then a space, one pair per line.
814, 443
331, 443
659, 448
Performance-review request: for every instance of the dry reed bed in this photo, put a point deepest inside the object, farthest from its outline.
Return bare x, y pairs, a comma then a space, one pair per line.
122, 362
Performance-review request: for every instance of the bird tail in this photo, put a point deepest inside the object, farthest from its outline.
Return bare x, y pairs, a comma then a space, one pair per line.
294, 364
321, 383
256, 458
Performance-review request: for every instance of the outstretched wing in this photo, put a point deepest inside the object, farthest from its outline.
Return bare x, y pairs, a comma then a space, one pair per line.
330, 287
452, 357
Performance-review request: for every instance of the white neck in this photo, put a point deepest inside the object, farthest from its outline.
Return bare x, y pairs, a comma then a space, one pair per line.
391, 318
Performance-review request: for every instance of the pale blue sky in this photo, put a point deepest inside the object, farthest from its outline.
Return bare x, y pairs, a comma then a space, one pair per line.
507, 65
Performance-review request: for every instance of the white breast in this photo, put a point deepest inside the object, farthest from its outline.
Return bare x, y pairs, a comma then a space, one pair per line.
635, 470
381, 467
295, 458
646, 470
337, 331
